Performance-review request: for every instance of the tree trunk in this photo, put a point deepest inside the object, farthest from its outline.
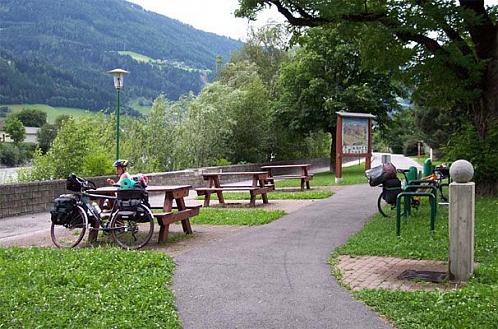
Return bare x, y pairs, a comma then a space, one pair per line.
485, 119
332, 153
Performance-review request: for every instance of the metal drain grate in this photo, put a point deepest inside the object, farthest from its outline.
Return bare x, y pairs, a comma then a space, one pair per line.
431, 276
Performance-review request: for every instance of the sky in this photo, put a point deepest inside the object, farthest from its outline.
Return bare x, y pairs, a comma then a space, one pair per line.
216, 15
209, 15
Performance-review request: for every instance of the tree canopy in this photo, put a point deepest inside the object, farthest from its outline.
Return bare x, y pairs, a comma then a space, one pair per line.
445, 51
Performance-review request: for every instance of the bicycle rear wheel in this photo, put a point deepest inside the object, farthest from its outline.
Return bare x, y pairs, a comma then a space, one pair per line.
385, 209
70, 235
130, 233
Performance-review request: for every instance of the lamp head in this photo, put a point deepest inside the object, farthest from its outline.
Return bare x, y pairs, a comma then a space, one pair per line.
118, 75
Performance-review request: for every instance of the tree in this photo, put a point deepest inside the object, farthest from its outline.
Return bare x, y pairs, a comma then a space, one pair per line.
15, 129
32, 117
326, 76
266, 48
448, 50
46, 135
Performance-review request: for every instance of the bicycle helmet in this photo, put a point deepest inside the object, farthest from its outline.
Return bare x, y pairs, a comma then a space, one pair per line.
121, 163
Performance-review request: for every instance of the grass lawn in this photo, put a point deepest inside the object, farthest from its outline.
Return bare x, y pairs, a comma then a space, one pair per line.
423, 158
474, 306
86, 288
350, 175
216, 216
52, 112
276, 195
140, 108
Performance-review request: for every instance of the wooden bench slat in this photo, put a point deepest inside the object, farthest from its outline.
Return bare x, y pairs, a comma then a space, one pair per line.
244, 186
292, 176
167, 218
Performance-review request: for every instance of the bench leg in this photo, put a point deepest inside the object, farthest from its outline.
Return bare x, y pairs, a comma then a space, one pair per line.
253, 199
302, 184
308, 185
163, 232
264, 197
92, 235
186, 226
220, 197
207, 198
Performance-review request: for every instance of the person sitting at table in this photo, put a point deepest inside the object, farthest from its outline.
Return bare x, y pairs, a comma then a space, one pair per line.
120, 166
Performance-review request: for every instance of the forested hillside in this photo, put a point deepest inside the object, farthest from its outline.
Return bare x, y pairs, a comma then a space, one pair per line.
57, 52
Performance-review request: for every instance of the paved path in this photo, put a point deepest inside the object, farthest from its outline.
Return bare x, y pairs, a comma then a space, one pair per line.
276, 275
398, 160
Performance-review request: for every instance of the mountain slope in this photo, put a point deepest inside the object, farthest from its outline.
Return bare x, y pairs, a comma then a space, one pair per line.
57, 52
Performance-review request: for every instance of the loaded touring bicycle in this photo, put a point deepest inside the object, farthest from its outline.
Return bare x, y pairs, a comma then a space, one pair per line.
129, 221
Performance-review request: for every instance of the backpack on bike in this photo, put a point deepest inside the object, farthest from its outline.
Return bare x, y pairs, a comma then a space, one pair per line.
77, 184
133, 203
64, 209
390, 190
380, 174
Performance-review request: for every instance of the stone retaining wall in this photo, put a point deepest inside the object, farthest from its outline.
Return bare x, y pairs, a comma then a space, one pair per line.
20, 199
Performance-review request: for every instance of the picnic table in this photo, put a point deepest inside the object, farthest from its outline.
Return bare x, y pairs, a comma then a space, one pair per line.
259, 186
172, 193
303, 175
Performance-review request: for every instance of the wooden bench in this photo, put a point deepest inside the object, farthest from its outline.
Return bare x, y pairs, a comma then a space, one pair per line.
164, 219
254, 191
304, 175
258, 186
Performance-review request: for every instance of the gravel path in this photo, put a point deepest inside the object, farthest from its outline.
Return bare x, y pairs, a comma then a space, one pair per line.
277, 275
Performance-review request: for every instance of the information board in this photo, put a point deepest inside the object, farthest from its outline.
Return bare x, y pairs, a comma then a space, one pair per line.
355, 135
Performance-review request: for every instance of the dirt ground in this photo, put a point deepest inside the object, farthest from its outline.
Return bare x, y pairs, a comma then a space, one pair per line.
22, 232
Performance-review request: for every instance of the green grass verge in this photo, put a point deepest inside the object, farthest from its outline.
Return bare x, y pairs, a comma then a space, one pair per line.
86, 288
52, 112
305, 195
350, 176
474, 306
216, 216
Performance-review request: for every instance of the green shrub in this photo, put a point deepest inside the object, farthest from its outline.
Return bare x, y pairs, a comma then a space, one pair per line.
82, 147
482, 153
10, 155
97, 163
410, 147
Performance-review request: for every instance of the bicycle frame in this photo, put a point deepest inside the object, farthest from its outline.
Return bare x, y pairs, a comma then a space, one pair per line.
90, 212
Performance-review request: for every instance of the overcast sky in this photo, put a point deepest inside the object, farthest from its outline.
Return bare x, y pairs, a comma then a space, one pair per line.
215, 15
208, 15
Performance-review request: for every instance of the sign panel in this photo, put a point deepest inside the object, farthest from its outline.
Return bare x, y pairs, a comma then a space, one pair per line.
355, 135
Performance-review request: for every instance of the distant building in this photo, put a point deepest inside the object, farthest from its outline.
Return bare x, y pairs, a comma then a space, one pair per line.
30, 136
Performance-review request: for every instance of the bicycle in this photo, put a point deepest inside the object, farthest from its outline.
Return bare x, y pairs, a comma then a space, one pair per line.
392, 187
129, 222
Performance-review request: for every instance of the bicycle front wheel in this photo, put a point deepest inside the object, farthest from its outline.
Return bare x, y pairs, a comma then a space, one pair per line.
130, 232
70, 235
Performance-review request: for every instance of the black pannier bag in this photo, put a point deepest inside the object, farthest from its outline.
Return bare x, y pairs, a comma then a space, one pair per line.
391, 188
131, 202
378, 175
64, 209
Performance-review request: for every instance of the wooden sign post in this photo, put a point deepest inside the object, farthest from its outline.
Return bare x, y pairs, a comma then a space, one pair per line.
353, 139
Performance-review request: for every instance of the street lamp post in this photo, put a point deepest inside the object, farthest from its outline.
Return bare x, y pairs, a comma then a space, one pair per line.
118, 75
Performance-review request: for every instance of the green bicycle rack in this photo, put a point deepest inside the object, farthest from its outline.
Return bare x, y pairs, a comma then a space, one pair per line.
407, 195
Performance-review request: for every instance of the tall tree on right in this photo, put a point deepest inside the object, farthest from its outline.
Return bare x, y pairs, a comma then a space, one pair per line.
447, 49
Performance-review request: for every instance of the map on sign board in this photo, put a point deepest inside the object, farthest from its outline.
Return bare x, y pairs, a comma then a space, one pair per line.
354, 135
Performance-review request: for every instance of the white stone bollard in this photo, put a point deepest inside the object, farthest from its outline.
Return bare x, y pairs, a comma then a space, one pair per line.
461, 221
386, 158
